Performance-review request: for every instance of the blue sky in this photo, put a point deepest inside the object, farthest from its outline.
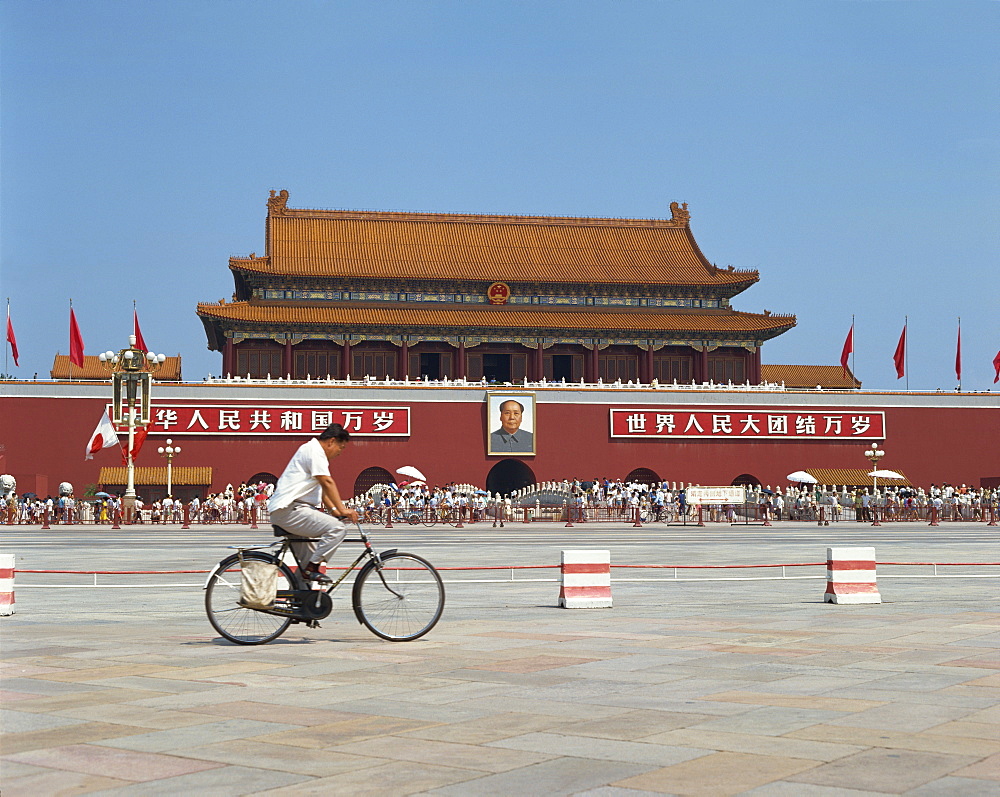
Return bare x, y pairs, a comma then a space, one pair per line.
846, 150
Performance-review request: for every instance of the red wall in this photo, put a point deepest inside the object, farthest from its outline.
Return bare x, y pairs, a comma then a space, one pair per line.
44, 437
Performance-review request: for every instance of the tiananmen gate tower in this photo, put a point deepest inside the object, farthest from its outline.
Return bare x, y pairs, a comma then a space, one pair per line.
506, 298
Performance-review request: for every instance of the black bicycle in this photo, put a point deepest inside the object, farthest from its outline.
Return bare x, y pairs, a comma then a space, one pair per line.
397, 596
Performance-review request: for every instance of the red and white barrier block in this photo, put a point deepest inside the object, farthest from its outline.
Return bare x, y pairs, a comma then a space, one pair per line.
6, 584
586, 580
850, 576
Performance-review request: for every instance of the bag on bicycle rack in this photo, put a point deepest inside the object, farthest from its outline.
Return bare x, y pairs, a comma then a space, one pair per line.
258, 583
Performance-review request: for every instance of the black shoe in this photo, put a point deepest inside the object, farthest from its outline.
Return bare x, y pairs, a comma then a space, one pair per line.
311, 572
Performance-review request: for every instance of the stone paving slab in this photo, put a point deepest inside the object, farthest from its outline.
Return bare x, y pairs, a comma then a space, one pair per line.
720, 688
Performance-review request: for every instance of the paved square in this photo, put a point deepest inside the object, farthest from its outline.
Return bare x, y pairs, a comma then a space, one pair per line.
685, 687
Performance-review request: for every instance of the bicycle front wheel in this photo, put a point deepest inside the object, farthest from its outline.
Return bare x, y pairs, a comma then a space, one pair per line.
400, 602
237, 623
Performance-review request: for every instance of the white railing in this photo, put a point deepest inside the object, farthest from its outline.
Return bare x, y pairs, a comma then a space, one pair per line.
327, 381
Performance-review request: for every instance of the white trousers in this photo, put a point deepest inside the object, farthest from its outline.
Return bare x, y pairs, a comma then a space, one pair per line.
325, 532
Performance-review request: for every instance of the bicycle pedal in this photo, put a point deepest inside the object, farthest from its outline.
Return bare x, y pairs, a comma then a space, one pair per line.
313, 624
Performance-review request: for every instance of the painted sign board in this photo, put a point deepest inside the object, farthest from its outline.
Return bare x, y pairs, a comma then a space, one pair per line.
715, 495
771, 424
295, 420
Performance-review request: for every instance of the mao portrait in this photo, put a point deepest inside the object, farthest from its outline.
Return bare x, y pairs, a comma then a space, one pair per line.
511, 424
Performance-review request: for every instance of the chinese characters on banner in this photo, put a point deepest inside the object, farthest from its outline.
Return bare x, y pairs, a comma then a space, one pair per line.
216, 419
749, 424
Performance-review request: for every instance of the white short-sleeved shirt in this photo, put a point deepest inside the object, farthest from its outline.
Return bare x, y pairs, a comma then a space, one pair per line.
298, 482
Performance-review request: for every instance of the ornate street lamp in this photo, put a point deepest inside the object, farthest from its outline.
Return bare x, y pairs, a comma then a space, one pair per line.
169, 451
874, 455
132, 379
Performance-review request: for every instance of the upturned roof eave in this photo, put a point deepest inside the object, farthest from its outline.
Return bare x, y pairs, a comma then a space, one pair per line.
471, 328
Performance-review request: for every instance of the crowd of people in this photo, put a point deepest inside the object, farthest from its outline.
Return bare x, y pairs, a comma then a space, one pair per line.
607, 499
599, 499
669, 502
228, 506
414, 502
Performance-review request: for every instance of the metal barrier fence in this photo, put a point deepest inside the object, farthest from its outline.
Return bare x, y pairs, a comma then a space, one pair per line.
499, 514
239, 516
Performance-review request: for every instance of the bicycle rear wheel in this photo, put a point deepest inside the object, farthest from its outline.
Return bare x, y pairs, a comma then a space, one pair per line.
237, 623
401, 602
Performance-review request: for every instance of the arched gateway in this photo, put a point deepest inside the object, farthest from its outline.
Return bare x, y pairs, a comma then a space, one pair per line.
644, 476
509, 475
369, 477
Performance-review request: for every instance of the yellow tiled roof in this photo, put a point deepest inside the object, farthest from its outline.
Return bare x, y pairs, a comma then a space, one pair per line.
855, 477
198, 476
829, 377
500, 318
93, 370
413, 246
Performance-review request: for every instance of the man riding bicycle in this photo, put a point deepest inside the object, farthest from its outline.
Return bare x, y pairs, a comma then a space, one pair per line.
303, 488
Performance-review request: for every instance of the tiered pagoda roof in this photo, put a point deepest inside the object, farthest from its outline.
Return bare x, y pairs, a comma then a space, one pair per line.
808, 377
346, 272
451, 247
94, 370
501, 319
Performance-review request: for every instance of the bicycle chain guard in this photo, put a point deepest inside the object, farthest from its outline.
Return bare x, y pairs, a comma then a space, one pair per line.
312, 604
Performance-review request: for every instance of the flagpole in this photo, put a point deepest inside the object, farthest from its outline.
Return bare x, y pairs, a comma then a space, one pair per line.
71, 343
958, 355
854, 372
5, 333
906, 350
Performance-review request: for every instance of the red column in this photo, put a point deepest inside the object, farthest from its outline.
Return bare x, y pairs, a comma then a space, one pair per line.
646, 375
595, 363
701, 365
404, 361
286, 360
345, 361
755, 367
228, 358
460, 365
539, 364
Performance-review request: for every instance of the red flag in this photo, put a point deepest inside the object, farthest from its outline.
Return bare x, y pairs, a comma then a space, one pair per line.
10, 336
104, 436
958, 354
75, 341
899, 358
996, 364
138, 438
848, 349
139, 342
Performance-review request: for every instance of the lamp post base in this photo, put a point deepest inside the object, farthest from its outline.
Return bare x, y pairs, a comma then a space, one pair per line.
128, 507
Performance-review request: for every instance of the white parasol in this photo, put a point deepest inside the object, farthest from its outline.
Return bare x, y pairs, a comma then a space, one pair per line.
802, 476
887, 474
409, 470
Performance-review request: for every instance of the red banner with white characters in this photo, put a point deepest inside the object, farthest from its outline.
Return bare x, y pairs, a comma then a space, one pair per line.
294, 420
796, 423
